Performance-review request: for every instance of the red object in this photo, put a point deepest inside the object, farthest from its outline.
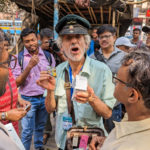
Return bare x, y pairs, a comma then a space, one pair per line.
5, 100
148, 13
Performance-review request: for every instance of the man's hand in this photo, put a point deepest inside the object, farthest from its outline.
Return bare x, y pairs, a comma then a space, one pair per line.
97, 140
46, 81
82, 3
33, 61
16, 114
84, 96
23, 103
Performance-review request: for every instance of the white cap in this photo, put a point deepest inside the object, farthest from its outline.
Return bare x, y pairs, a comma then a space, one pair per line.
124, 41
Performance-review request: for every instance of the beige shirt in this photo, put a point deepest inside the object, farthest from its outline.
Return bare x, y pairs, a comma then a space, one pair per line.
129, 135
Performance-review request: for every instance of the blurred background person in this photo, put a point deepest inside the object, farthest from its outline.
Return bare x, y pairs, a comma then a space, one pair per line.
94, 39
124, 44
146, 29
48, 44
46, 37
136, 38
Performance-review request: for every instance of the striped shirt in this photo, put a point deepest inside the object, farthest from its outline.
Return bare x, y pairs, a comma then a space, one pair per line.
5, 100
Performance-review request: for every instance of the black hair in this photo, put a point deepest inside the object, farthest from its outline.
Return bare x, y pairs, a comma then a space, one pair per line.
106, 28
96, 45
26, 32
137, 29
95, 28
46, 32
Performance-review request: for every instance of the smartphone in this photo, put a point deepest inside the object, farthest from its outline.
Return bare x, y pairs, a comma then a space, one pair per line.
27, 106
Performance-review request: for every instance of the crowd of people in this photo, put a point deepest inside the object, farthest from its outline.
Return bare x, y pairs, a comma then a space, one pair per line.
117, 95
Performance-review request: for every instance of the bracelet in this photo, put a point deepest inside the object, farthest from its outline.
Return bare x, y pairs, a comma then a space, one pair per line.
6, 115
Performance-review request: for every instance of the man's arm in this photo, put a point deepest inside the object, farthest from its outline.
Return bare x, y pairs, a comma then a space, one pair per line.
97, 104
14, 114
21, 78
50, 102
103, 104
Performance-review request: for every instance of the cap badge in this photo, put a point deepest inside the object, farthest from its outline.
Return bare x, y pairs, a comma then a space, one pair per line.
71, 28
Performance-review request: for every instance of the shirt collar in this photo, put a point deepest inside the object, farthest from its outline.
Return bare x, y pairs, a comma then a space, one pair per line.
126, 127
86, 68
116, 50
27, 53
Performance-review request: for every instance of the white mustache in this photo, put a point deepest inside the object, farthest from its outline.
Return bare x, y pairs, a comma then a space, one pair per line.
73, 45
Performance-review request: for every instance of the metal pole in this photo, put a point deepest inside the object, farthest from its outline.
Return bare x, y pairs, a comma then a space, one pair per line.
56, 18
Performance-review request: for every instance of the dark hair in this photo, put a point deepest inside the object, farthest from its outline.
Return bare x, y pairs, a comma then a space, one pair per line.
26, 32
96, 45
106, 28
95, 28
46, 32
139, 73
137, 29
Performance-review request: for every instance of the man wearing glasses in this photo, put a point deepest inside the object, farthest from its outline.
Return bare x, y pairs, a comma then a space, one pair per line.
132, 88
9, 100
111, 56
6, 141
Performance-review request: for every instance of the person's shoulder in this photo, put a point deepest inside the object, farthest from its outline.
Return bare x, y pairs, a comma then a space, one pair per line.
61, 66
97, 65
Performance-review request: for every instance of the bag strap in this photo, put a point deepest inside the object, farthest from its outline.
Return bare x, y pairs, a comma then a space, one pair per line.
48, 56
21, 59
99, 57
68, 95
10, 87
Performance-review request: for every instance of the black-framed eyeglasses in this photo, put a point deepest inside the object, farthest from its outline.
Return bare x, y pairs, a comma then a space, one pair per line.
115, 78
105, 36
10, 63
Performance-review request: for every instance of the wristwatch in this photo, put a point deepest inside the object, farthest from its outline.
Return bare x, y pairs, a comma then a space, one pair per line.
3, 116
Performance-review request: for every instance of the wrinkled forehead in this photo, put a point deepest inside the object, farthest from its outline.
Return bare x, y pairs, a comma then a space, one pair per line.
123, 72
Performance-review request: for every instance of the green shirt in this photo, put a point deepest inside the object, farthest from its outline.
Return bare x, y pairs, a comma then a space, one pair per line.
100, 79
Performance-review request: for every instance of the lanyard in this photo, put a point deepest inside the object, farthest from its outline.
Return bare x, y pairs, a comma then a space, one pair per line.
70, 77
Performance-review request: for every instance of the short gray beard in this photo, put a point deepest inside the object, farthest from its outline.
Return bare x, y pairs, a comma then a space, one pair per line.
72, 58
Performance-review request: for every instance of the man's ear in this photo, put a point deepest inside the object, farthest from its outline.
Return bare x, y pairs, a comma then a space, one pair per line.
133, 96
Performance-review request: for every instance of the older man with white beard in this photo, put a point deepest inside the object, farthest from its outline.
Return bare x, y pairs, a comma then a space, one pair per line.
89, 106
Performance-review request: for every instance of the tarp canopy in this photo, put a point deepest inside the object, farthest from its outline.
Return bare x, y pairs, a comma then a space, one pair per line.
114, 12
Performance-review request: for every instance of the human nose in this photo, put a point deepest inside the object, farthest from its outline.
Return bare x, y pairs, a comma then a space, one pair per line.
74, 40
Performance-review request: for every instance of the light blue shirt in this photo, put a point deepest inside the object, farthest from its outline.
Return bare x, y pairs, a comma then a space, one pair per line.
100, 79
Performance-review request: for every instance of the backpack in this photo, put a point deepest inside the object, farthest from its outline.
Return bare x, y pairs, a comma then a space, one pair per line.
21, 58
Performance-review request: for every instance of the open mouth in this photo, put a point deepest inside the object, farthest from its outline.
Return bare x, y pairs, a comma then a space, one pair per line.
75, 50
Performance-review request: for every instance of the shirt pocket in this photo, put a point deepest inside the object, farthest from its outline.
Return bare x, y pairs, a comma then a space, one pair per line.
61, 101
